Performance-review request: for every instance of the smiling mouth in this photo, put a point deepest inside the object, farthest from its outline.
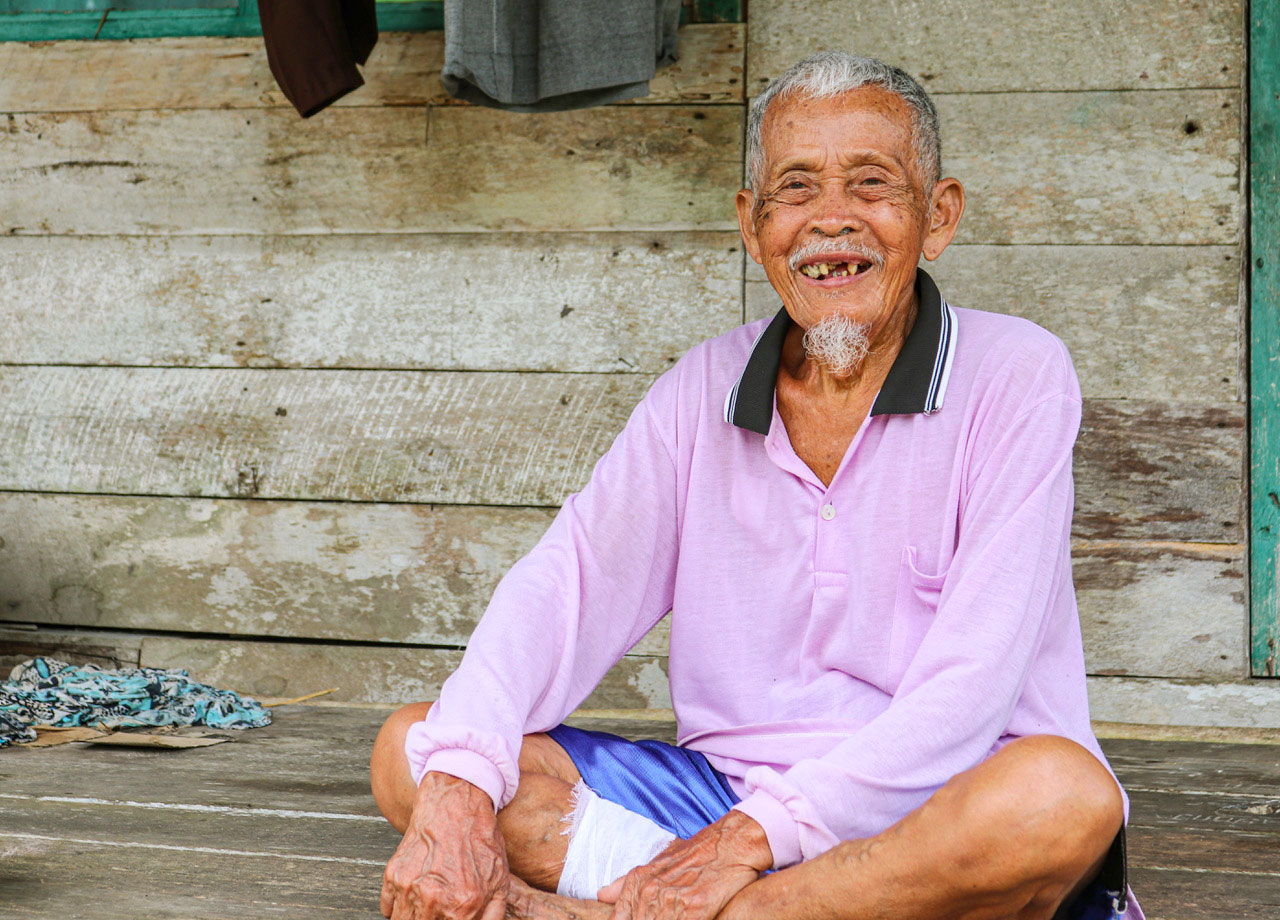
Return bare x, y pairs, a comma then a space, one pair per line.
820, 270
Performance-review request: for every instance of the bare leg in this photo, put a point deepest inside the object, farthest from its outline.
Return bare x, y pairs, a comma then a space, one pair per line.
530, 823
1011, 838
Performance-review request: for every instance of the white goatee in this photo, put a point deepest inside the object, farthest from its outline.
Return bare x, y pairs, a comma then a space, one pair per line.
838, 343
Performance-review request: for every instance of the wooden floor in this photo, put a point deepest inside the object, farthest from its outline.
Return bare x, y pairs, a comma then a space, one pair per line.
280, 824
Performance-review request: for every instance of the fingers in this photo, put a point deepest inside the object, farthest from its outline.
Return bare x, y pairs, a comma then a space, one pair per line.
609, 893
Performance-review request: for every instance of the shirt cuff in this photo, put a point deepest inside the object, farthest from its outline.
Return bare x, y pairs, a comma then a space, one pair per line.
780, 829
467, 765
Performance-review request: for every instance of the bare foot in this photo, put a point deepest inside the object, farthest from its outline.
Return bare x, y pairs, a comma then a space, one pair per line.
525, 903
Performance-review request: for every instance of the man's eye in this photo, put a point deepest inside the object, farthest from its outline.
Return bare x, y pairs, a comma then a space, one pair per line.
795, 184
872, 180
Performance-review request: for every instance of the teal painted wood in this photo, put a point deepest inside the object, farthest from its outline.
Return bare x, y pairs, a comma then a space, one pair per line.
714, 11
241, 19
1264, 391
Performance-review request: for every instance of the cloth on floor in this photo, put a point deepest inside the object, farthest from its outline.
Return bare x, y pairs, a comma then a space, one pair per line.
552, 55
313, 47
46, 691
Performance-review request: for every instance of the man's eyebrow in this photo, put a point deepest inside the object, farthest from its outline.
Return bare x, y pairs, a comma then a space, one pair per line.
803, 163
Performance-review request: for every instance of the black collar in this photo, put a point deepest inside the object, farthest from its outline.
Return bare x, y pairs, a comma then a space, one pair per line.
916, 382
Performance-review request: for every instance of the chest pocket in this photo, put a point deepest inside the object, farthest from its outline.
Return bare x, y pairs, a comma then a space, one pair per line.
915, 608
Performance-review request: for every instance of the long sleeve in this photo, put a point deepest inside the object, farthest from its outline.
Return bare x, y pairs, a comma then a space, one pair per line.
987, 614
599, 579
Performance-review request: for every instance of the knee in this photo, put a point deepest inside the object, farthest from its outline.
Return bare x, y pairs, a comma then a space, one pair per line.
389, 775
1047, 805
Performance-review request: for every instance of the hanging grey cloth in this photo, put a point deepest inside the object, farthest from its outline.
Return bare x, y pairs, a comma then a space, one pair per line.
551, 55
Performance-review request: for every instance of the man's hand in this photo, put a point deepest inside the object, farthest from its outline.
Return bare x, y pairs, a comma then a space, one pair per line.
452, 863
693, 879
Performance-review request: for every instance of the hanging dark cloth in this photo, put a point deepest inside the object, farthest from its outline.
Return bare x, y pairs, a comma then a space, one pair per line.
551, 55
313, 47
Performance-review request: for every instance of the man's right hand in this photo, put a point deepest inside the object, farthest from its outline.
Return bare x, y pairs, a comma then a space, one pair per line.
452, 862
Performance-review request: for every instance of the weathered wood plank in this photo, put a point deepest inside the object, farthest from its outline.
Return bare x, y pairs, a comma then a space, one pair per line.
1175, 610
1030, 161
1251, 755
264, 829
1194, 894
1217, 851
366, 435
215, 73
1146, 469
20, 642
1178, 180
370, 170
352, 572
1142, 322
1264, 323
47, 877
1243, 703
536, 301
1200, 774
1204, 810
310, 758
371, 674
1007, 45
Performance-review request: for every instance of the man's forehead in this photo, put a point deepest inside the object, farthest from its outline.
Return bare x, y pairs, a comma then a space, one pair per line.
796, 121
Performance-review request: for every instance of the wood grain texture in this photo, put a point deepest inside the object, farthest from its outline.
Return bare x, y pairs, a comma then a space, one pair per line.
956, 46
115, 873
1155, 470
1242, 703
351, 572
330, 839
310, 758
502, 301
373, 170
1086, 168
1174, 610
370, 674
217, 73
1142, 322
1264, 326
524, 439
1145, 469
423, 574
1030, 161
1194, 894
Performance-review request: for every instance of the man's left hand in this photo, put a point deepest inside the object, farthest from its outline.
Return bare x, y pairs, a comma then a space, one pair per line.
693, 879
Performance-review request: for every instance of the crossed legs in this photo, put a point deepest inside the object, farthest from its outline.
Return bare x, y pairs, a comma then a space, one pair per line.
1013, 837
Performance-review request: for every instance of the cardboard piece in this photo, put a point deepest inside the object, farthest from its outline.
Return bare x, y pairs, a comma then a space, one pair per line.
148, 740
48, 736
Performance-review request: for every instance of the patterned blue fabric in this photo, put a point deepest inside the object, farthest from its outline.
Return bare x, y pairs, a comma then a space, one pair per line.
45, 691
681, 792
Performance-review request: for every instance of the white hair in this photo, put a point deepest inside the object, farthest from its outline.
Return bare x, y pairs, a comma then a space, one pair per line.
838, 343
832, 73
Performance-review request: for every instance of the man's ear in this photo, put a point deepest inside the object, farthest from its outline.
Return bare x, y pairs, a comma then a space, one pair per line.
745, 202
948, 205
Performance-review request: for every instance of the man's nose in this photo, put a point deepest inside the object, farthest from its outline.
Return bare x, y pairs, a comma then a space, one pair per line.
835, 213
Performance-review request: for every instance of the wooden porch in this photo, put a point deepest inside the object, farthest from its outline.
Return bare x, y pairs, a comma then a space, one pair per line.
280, 822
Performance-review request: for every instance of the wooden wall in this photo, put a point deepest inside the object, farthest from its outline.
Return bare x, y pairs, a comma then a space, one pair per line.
281, 400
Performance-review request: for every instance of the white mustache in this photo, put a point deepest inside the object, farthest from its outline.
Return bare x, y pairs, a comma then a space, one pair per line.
833, 244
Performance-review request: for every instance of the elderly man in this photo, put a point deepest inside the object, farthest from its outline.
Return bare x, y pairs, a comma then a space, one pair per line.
858, 514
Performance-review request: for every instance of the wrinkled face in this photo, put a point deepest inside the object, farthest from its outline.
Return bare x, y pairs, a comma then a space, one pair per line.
840, 216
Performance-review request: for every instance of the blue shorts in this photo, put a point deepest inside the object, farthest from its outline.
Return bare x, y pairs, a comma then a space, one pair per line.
680, 791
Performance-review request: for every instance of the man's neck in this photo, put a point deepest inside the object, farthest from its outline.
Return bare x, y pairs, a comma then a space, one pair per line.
820, 382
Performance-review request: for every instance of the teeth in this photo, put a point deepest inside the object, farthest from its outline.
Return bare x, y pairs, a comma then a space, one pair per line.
832, 269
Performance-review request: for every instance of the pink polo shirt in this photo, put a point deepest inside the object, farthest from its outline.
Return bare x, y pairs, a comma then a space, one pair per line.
837, 652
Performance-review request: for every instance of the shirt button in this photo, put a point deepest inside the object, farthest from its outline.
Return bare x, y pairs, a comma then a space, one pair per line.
828, 512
